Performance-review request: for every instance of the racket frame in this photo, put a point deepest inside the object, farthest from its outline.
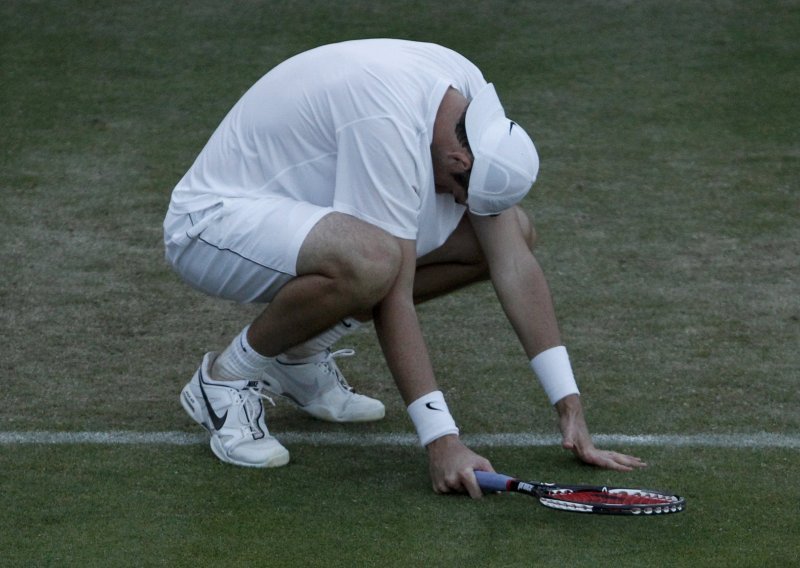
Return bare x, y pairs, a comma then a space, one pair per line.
548, 495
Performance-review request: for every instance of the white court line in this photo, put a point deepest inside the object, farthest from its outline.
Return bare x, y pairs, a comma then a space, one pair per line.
511, 439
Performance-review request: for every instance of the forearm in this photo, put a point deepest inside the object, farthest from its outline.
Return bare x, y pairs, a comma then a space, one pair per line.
404, 348
524, 294
519, 281
407, 357
400, 335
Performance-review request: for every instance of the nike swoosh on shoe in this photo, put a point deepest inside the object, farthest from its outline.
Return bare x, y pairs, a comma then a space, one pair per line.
217, 421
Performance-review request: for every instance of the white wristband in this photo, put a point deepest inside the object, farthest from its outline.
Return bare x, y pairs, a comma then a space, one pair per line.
554, 371
431, 417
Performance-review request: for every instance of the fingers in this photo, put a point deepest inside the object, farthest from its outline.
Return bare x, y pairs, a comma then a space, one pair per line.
452, 467
470, 483
626, 461
463, 482
611, 460
614, 465
579, 443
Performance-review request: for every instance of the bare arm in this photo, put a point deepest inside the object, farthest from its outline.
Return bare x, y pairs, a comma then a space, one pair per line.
400, 336
522, 288
519, 281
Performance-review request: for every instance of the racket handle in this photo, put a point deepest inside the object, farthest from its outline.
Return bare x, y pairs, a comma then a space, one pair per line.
492, 482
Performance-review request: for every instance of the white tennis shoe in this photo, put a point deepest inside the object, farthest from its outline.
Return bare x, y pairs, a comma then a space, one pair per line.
321, 390
234, 415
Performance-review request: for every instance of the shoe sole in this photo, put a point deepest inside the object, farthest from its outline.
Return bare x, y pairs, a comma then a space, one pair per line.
321, 413
279, 459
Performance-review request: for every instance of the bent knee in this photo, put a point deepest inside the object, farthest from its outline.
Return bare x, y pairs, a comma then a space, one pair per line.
362, 261
365, 275
374, 266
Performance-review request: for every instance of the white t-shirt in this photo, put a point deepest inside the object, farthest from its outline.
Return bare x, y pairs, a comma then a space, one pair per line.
347, 126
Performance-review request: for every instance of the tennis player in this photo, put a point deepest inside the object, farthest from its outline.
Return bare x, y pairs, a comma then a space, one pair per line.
349, 183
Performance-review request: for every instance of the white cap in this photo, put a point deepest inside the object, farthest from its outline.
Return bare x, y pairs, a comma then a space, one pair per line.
506, 162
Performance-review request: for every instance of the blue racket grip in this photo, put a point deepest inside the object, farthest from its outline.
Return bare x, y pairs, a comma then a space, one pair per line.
492, 482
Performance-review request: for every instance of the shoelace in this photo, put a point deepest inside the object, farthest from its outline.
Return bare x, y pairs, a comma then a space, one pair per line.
249, 399
330, 365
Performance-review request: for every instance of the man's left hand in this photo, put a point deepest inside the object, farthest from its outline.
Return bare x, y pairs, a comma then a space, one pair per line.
576, 438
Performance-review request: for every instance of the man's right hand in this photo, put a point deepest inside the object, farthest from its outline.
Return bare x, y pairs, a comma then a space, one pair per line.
452, 466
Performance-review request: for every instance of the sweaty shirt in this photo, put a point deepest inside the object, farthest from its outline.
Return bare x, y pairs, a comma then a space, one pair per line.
348, 126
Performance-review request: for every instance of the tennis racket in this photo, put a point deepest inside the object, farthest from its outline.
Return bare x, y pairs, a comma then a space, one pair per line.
586, 498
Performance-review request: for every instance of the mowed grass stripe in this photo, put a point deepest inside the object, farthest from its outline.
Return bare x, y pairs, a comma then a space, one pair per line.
510, 439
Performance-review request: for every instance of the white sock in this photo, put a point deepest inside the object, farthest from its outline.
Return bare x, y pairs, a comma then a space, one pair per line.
315, 349
239, 361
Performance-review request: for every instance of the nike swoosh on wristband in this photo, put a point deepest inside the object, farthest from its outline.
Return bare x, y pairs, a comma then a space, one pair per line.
430, 405
216, 421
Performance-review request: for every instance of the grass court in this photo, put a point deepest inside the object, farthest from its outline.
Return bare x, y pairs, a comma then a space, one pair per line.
668, 210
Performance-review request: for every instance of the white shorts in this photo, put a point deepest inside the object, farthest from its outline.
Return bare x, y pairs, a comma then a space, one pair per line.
244, 250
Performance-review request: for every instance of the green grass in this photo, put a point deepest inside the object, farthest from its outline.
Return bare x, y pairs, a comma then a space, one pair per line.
668, 211
105, 506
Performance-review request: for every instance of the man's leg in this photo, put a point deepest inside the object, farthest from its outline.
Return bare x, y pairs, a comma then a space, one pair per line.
345, 266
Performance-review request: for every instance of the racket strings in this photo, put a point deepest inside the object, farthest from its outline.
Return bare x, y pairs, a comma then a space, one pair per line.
611, 498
